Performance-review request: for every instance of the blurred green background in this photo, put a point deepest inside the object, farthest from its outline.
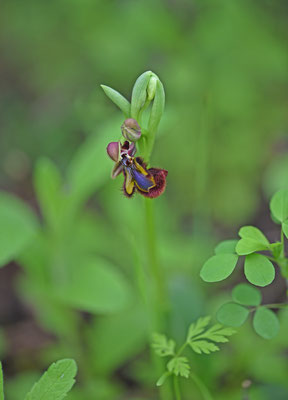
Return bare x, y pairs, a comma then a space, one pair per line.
223, 140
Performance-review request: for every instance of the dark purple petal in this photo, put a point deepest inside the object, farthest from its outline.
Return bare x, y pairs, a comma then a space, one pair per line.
113, 151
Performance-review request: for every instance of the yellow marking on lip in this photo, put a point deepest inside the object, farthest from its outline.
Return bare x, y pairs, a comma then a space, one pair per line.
129, 184
145, 173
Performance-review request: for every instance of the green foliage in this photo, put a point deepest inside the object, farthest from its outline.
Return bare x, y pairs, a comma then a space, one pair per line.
48, 186
232, 314
252, 240
259, 270
55, 383
162, 346
200, 338
96, 286
179, 366
218, 267
266, 323
246, 295
247, 300
117, 99
279, 205
17, 229
125, 332
139, 93
227, 246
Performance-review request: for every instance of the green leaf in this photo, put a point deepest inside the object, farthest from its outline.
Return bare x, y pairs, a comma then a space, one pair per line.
95, 286
157, 107
55, 383
48, 185
131, 325
163, 378
203, 346
266, 323
218, 267
163, 346
179, 366
232, 314
217, 333
198, 327
139, 93
279, 205
18, 226
246, 295
252, 240
227, 246
117, 99
1, 383
259, 270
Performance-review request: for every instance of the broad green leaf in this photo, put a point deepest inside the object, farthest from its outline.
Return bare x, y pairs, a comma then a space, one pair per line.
253, 233
117, 99
198, 327
279, 205
48, 185
203, 346
1, 383
266, 323
252, 240
227, 246
259, 270
163, 346
55, 383
95, 285
91, 167
232, 314
218, 267
285, 228
18, 226
246, 295
179, 366
139, 93
131, 325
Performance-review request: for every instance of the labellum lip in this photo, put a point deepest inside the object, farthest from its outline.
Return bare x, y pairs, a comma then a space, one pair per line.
150, 183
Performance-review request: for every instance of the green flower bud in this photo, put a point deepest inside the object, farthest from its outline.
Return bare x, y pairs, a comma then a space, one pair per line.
131, 130
151, 90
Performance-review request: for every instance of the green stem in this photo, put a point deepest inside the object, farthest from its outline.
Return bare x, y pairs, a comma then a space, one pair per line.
283, 244
154, 266
201, 386
276, 305
176, 387
273, 305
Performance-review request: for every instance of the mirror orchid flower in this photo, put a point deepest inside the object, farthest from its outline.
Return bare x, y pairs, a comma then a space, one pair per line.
150, 182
